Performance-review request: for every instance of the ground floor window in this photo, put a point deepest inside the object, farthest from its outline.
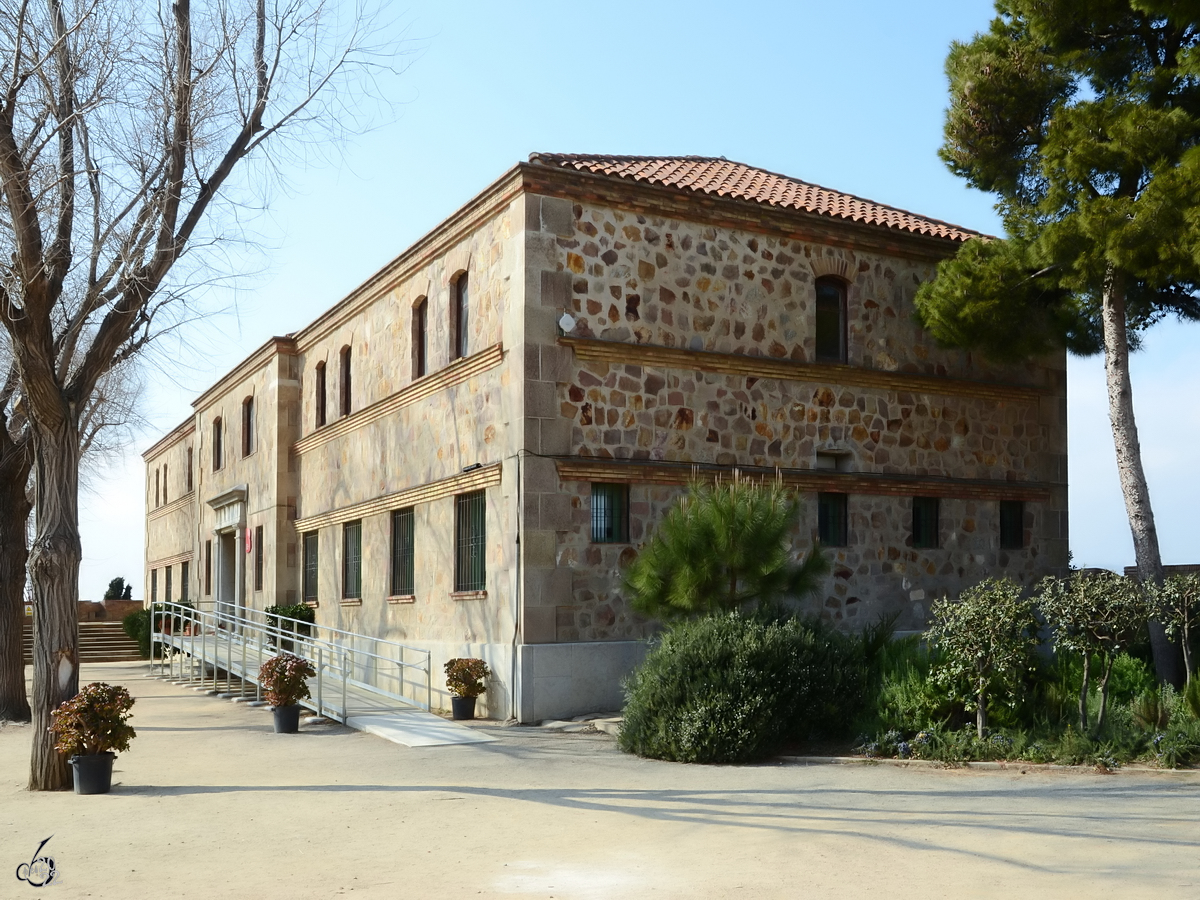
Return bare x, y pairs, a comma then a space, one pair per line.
154, 585
610, 513
258, 558
1012, 524
352, 560
169, 597
470, 539
208, 568
925, 522
831, 520
403, 561
183, 582
310, 567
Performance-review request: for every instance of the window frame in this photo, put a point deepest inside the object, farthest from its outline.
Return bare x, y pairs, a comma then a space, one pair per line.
352, 562
319, 395
610, 520
258, 558
403, 574
922, 518
835, 533
218, 448
345, 387
838, 286
1010, 509
310, 572
470, 547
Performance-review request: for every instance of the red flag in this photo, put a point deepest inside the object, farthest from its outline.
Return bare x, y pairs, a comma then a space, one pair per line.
249, 541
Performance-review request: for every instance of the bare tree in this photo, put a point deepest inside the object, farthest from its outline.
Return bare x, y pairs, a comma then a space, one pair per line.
121, 127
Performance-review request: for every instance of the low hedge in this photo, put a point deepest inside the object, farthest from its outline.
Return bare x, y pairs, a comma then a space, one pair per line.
732, 688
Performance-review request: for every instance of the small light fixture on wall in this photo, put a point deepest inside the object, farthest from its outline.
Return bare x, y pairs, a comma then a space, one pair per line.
567, 323
473, 467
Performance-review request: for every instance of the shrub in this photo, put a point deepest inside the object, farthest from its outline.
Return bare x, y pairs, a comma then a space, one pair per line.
722, 547
1178, 603
137, 626
284, 679
732, 688
464, 677
987, 638
305, 614
94, 721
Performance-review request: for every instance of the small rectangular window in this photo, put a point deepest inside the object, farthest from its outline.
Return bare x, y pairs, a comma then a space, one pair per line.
258, 557
190, 482
169, 596
319, 395
157, 488
831, 321
1012, 524
470, 542
352, 560
247, 426
403, 559
832, 520
183, 582
154, 585
310, 567
610, 513
218, 439
925, 522
164, 483
208, 568
461, 316
420, 338
346, 385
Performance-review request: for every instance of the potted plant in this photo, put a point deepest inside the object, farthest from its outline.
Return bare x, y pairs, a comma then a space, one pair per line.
284, 679
90, 727
464, 678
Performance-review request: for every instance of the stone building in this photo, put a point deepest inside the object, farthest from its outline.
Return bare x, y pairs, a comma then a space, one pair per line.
463, 452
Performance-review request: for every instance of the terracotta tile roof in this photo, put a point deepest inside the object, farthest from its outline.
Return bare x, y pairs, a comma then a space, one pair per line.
726, 178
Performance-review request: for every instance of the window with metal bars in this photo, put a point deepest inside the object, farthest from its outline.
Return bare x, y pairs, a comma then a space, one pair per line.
1012, 524
470, 533
346, 390
208, 568
258, 557
403, 559
831, 519
183, 582
925, 522
610, 513
352, 560
310, 567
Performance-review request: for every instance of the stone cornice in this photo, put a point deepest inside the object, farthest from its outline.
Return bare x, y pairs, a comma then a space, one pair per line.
639, 471
618, 352
166, 508
728, 212
188, 426
252, 363
186, 556
474, 480
456, 373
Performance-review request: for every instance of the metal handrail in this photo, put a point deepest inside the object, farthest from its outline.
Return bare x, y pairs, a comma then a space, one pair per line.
243, 635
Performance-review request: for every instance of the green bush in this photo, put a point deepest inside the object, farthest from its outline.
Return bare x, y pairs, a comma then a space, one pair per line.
732, 688
137, 626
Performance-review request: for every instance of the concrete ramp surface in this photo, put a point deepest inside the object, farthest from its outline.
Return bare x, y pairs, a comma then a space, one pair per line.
416, 728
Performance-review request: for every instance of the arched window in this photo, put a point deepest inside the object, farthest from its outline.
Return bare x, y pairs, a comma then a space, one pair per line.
420, 338
218, 445
460, 312
247, 426
320, 394
831, 320
346, 381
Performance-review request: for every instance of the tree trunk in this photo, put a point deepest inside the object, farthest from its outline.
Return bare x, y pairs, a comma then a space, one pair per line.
1083, 694
1188, 670
1108, 664
1129, 465
981, 712
15, 463
54, 570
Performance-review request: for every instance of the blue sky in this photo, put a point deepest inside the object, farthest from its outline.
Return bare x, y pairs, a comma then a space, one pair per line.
849, 95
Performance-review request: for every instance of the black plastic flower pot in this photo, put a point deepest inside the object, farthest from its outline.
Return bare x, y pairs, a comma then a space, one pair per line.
287, 718
93, 773
462, 707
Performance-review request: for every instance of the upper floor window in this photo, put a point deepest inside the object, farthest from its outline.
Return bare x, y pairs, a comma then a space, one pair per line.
320, 394
831, 320
157, 488
164, 482
610, 513
247, 426
218, 439
189, 482
420, 338
345, 394
461, 317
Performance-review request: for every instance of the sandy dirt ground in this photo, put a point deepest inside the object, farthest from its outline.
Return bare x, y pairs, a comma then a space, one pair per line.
211, 803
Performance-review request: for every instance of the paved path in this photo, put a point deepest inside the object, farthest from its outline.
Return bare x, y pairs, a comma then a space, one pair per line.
210, 803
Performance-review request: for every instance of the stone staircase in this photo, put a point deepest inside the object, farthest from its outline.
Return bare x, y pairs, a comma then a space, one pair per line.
98, 642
